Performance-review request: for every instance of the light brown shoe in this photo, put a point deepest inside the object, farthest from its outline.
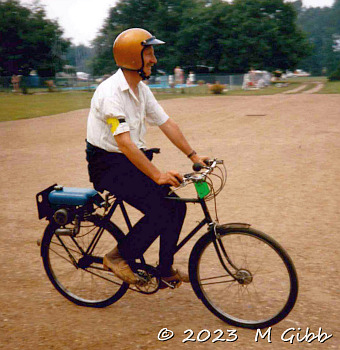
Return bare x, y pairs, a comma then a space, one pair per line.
184, 276
175, 280
114, 262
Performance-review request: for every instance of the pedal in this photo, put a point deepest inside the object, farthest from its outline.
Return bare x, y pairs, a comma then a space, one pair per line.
169, 284
172, 284
141, 279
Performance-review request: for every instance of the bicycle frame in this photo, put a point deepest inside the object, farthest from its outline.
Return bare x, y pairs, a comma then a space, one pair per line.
102, 221
211, 227
207, 220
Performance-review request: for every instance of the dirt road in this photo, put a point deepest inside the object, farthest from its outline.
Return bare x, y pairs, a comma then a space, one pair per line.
282, 154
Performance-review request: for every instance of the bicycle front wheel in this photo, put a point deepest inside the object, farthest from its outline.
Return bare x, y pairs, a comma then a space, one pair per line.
244, 277
74, 266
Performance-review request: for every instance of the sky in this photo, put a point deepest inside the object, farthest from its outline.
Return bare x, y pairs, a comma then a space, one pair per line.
81, 20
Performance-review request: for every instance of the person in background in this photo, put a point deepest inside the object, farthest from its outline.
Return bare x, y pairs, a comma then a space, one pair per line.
178, 72
15, 82
192, 78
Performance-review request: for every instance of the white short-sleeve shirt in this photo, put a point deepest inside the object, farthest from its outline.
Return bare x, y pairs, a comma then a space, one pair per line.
116, 109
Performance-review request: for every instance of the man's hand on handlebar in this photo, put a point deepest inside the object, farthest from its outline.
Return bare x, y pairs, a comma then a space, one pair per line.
199, 159
174, 178
171, 177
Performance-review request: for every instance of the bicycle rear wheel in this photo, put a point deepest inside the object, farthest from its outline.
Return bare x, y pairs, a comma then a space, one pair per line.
257, 286
79, 276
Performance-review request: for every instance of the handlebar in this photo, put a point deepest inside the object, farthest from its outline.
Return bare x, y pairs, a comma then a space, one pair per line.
201, 174
210, 166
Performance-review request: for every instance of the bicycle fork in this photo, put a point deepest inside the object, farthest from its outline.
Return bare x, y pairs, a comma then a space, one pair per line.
223, 255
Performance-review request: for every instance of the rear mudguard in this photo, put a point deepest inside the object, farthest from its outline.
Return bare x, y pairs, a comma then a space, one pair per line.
49, 230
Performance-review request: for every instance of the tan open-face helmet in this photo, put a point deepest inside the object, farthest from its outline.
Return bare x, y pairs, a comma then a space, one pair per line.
129, 46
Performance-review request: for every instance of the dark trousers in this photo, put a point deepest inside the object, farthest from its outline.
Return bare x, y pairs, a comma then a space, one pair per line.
162, 217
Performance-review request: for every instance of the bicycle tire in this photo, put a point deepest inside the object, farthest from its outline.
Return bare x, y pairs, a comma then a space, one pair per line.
89, 285
269, 285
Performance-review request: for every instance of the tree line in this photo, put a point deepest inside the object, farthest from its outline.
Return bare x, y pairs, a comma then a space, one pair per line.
28, 40
231, 37
322, 27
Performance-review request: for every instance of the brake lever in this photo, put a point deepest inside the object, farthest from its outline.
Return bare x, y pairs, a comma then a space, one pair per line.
182, 184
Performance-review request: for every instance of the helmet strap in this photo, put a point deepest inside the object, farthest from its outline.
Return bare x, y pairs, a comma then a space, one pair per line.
141, 71
143, 75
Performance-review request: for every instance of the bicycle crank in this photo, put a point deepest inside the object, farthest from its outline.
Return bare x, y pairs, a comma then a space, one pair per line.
149, 279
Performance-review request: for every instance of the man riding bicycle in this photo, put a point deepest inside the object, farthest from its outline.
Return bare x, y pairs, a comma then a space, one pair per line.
119, 162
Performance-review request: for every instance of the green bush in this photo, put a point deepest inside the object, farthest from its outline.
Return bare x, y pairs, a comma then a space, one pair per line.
217, 88
335, 76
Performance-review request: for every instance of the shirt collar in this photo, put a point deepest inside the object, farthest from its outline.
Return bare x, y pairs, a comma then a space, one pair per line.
123, 84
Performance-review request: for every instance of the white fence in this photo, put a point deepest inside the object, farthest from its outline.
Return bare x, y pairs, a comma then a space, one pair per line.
232, 82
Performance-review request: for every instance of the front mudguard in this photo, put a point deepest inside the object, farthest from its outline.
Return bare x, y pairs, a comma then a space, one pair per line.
232, 226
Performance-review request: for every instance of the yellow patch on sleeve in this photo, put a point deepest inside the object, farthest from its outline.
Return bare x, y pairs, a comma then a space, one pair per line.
113, 122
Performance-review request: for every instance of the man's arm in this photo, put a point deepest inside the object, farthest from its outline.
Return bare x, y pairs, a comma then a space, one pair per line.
138, 158
175, 135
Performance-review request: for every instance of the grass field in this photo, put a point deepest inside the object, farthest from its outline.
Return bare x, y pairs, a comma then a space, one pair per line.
331, 87
15, 107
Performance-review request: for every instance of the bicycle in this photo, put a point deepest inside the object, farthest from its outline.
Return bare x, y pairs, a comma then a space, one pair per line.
241, 275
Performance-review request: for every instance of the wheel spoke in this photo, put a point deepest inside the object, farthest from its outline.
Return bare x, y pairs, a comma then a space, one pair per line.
70, 249
101, 276
62, 257
206, 284
220, 276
